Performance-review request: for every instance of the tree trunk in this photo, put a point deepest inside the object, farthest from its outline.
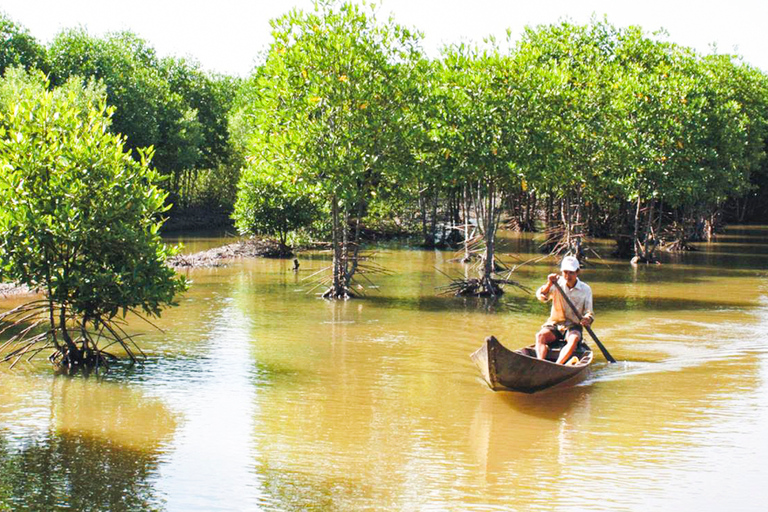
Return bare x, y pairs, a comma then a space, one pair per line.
550, 209
433, 220
490, 236
636, 233
73, 355
467, 214
423, 211
647, 247
337, 286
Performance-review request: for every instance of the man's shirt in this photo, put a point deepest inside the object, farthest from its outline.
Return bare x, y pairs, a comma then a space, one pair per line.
562, 314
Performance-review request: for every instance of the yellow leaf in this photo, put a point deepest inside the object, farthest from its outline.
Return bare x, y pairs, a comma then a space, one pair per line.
524, 185
363, 106
343, 78
314, 99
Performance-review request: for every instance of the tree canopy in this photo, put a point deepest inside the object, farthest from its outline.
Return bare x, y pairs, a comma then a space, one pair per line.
79, 220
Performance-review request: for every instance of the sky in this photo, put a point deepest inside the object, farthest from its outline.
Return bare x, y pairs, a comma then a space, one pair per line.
229, 36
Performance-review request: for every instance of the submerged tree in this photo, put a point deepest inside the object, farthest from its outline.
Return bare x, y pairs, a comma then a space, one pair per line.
79, 223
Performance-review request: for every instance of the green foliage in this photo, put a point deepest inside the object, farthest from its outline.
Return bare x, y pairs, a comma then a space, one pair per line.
621, 117
170, 104
19, 48
330, 94
272, 205
129, 69
80, 215
329, 103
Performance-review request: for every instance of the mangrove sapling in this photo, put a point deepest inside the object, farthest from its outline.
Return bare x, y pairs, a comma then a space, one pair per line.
82, 228
359, 269
270, 204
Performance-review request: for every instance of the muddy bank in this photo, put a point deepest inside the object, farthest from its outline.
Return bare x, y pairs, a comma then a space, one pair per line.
13, 290
220, 256
216, 257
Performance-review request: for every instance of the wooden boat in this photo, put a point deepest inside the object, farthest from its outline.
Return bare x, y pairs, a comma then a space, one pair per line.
521, 370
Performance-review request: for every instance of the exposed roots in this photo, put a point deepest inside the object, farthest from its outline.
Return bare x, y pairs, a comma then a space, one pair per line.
676, 238
480, 286
558, 242
353, 284
75, 344
471, 249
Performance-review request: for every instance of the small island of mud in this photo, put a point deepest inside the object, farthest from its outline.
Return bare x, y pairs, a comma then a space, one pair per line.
11, 290
221, 256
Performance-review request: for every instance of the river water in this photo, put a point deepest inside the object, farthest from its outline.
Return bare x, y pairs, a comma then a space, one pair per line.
258, 395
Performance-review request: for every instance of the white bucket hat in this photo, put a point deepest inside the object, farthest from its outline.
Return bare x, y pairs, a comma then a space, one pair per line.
569, 263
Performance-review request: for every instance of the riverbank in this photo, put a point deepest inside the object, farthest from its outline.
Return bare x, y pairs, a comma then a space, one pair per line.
216, 257
8, 290
221, 256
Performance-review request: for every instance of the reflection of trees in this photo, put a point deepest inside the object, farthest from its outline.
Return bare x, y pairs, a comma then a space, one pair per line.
75, 472
79, 444
295, 491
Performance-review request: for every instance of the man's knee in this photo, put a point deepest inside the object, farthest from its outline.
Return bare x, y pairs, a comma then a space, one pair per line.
572, 340
544, 337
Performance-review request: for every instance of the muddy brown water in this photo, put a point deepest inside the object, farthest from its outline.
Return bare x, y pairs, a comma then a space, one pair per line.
259, 396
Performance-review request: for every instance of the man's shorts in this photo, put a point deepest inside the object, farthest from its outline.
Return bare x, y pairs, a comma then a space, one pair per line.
561, 333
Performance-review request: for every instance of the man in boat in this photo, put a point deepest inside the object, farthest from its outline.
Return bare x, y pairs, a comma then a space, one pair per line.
563, 324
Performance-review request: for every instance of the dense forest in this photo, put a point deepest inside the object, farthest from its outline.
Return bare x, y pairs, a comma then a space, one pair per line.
347, 129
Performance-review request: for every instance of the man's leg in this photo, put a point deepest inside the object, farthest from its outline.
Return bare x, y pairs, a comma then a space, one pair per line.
543, 338
572, 338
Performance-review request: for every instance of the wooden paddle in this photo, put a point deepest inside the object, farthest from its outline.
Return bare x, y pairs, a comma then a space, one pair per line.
604, 350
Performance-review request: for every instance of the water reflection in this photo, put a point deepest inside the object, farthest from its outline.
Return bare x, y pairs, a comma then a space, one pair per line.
81, 444
210, 465
259, 396
76, 471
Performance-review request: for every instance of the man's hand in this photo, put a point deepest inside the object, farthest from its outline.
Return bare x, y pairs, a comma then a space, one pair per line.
586, 321
551, 279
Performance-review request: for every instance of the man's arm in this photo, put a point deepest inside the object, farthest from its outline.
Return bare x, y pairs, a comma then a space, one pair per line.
588, 316
543, 293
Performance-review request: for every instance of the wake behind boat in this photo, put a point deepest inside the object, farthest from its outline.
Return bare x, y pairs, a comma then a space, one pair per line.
520, 370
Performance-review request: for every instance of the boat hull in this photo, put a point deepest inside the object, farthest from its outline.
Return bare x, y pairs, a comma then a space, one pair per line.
520, 370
